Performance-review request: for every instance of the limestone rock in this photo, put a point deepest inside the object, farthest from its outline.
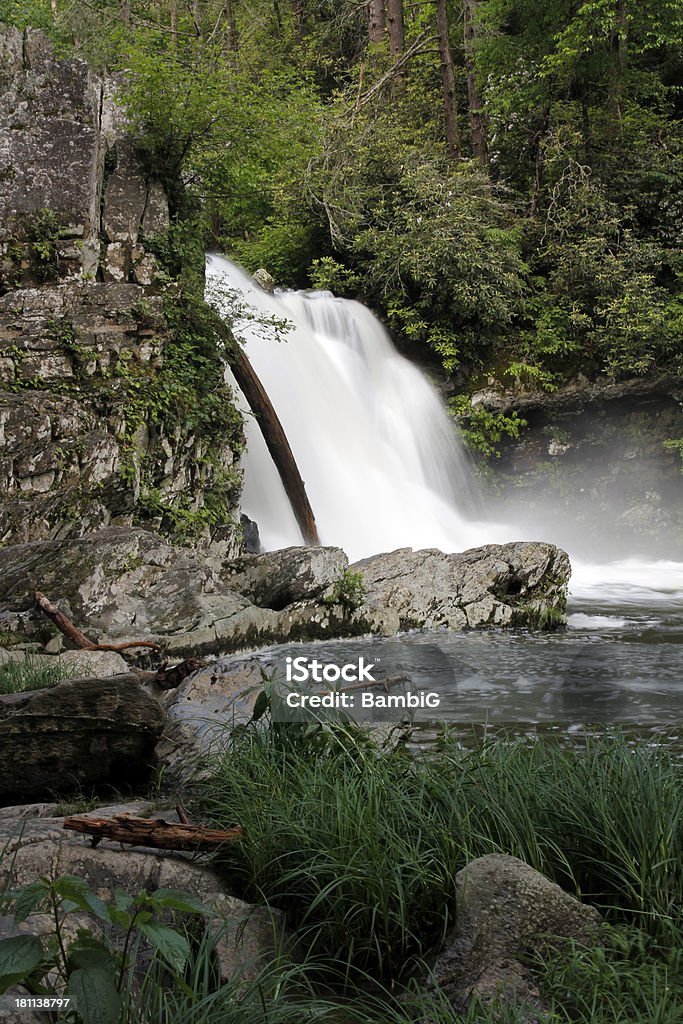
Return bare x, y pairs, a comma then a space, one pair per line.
80, 732
92, 664
504, 909
502, 585
277, 579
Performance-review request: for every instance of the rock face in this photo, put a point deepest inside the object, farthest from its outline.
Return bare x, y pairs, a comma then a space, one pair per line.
83, 329
504, 910
128, 584
37, 845
592, 462
80, 732
502, 585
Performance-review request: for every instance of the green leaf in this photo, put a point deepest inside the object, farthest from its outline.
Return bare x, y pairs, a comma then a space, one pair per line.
172, 899
95, 997
88, 952
29, 898
19, 957
173, 947
78, 895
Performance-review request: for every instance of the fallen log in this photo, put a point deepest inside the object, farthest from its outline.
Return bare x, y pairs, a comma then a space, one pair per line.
277, 443
66, 626
160, 834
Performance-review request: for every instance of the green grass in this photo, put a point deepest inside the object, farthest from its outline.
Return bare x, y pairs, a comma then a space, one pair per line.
361, 849
30, 674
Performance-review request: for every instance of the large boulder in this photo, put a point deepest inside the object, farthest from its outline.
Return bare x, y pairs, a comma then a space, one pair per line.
277, 579
79, 733
523, 583
504, 910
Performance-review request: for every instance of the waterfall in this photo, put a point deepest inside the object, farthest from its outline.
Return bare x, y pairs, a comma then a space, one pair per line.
380, 457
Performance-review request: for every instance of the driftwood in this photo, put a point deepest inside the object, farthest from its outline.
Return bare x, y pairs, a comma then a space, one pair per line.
160, 834
278, 445
66, 626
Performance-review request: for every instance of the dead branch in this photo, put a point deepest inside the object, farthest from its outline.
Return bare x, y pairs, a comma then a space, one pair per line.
66, 626
160, 834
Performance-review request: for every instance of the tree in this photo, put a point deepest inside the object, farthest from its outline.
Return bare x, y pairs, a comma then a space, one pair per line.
448, 80
395, 27
477, 120
376, 21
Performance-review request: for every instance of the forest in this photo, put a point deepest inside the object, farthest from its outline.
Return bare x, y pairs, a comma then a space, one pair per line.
500, 180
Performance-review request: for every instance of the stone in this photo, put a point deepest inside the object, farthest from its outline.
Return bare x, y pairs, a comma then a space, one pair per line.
92, 664
504, 908
280, 578
522, 583
204, 709
246, 935
82, 732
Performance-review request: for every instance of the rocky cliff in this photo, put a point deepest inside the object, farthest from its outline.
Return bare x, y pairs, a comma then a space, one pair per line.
112, 401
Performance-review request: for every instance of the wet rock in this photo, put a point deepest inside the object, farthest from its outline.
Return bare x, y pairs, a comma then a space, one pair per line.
504, 909
277, 579
250, 533
80, 732
501, 585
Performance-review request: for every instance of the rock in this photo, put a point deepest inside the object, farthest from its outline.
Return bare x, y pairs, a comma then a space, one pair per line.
504, 908
502, 585
81, 312
79, 733
202, 711
95, 664
250, 534
247, 935
264, 280
281, 578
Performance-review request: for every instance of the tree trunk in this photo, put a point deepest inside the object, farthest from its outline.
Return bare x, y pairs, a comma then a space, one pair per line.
300, 12
277, 443
448, 79
231, 27
477, 121
376, 21
395, 26
124, 11
619, 50
162, 835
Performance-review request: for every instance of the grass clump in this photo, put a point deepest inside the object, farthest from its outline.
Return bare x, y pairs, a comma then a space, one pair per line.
31, 673
361, 848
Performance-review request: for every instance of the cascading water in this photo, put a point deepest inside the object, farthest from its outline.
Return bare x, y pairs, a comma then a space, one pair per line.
384, 468
380, 458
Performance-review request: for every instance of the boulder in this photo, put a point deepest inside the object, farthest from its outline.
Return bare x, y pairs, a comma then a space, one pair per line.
95, 664
38, 846
504, 910
81, 732
277, 579
203, 709
523, 583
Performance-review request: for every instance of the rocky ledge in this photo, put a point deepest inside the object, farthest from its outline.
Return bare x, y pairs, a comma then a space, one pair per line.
123, 584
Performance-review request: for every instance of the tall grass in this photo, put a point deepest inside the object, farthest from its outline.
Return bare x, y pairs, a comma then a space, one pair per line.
30, 674
361, 849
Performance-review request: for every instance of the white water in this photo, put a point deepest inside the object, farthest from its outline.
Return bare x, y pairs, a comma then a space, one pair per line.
381, 459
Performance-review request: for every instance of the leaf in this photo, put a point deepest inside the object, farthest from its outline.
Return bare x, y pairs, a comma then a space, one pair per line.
27, 899
172, 899
173, 947
79, 896
19, 957
95, 997
88, 952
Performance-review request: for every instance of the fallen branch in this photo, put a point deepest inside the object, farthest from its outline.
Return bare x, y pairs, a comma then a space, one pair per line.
384, 684
160, 834
66, 626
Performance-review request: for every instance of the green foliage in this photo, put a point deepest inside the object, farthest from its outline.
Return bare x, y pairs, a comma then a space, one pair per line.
361, 848
31, 673
349, 591
45, 232
97, 967
675, 445
482, 429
